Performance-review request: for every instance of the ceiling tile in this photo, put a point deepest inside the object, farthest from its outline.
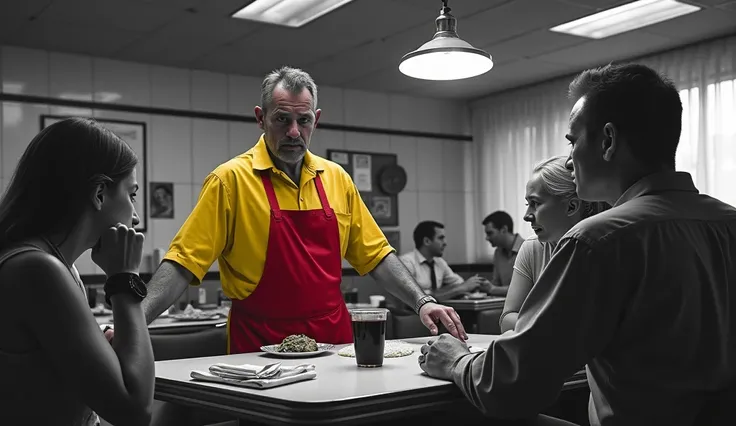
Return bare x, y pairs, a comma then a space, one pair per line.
357, 23
187, 39
595, 5
61, 37
700, 25
514, 19
458, 8
118, 14
599, 52
531, 44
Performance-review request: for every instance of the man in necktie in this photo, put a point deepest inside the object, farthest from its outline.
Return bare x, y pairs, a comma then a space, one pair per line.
430, 270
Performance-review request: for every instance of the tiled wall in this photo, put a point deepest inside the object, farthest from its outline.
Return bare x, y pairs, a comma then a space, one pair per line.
184, 150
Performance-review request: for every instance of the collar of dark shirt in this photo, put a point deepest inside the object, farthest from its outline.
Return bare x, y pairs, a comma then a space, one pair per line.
658, 182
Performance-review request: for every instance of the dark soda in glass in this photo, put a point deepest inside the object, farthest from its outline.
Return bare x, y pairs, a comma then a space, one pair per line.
369, 336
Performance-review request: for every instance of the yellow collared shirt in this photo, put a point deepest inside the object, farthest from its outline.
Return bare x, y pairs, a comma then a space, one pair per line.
231, 220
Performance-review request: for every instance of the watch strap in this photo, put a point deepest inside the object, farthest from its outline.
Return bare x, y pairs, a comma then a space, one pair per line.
125, 283
423, 301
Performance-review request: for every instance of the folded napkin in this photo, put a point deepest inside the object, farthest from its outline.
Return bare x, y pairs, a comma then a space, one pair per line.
254, 376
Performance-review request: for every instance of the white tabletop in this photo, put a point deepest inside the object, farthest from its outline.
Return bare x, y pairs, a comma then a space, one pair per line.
166, 323
342, 392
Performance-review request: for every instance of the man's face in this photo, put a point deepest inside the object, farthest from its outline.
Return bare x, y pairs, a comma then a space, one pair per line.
493, 234
437, 245
288, 124
586, 162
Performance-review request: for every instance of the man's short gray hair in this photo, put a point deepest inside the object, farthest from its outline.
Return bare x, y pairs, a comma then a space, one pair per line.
293, 79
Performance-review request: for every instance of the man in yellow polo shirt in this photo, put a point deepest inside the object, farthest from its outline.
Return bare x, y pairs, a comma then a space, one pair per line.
279, 219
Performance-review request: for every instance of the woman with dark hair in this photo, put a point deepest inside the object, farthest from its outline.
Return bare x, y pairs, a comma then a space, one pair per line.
553, 207
73, 190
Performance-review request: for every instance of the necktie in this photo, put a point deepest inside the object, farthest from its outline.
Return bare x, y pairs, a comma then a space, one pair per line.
433, 275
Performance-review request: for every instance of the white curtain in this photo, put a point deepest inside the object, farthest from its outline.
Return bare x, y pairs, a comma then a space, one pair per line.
514, 130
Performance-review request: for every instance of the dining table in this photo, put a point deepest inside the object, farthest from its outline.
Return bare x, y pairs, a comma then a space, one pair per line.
398, 393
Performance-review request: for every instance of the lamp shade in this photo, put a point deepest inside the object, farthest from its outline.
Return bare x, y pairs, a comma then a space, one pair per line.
446, 56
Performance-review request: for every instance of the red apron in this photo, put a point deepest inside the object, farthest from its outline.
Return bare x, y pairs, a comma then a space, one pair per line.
299, 292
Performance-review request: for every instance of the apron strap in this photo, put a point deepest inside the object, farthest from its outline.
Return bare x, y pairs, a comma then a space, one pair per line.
322, 196
273, 202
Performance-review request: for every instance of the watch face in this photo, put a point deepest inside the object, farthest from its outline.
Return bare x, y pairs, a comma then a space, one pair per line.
138, 286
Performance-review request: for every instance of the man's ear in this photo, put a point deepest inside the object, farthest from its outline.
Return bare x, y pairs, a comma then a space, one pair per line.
611, 138
97, 196
427, 241
260, 116
573, 206
504, 229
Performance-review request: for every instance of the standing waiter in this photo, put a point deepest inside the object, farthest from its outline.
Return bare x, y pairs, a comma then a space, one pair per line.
280, 219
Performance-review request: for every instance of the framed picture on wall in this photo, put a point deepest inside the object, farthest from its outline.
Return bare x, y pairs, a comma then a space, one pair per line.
134, 133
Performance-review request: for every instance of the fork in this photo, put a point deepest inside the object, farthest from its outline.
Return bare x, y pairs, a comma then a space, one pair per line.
269, 371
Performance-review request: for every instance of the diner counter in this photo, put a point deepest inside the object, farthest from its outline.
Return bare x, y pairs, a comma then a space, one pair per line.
493, 302
164, 322
341, 394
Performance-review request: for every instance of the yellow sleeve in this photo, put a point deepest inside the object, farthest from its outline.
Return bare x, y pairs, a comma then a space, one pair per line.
205, 234
367, 246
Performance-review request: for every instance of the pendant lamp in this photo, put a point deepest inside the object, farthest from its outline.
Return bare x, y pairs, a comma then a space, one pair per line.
446, 56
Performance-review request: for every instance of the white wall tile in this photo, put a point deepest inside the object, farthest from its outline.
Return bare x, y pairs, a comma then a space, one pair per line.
425, 115
408, 219
455, 227
367, 142
243, 94
209, 147
326, 139
366, 109
196, 189
21, 123
25, 71
330, 101
171, 88
70, 111
241, 137
164, 230
405, 148
453, 167
209, 91
170, 149
431, 206
121, 82
430, 164
70, 76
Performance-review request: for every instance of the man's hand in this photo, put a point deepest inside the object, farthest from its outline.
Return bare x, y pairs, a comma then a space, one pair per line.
439, 357
473, 283
109, 334
431, 313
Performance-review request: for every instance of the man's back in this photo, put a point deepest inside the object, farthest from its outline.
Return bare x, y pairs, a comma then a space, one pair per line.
671, 251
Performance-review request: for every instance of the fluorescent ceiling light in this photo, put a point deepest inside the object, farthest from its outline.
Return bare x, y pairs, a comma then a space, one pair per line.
625, 18
290, 13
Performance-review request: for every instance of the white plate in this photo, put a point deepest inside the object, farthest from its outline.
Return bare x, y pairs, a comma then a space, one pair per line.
273, 350
179, 317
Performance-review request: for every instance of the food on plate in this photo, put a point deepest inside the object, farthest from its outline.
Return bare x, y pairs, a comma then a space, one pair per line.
297, 343
391, 349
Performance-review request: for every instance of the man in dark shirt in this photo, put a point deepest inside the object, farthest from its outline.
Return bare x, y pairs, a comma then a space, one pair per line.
644, 294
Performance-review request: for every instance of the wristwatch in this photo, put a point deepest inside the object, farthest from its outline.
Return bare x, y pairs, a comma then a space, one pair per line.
423, 301
125, 283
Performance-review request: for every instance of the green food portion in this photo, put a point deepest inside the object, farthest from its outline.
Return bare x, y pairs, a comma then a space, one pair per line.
297, 343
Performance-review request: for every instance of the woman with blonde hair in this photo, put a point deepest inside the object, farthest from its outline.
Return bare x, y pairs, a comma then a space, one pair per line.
553, 207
